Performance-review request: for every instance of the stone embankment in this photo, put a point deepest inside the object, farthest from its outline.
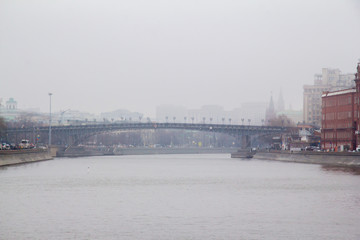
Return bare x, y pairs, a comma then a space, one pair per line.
150, 151
82, 151
325, 158
11, 157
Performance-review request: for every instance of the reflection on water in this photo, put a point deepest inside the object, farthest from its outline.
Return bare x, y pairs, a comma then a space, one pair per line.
177, 197
355, 170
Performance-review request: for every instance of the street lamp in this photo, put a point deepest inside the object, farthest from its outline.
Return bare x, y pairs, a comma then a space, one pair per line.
50, 94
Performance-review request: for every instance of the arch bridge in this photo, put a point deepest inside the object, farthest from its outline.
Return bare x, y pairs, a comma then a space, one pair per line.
74, 134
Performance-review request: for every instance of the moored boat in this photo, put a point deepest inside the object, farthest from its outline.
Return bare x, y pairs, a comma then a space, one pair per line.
243, 154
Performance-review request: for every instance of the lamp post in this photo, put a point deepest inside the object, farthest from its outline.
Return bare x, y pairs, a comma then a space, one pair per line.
50, 94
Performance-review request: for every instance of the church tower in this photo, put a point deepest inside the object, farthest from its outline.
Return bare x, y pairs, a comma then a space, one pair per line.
270, 111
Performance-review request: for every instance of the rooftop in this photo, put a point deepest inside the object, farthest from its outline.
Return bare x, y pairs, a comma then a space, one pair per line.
339, 92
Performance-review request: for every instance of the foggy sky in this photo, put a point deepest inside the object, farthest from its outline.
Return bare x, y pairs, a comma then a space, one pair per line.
99, 56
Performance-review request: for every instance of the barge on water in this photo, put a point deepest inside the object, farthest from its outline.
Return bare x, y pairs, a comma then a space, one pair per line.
243, 153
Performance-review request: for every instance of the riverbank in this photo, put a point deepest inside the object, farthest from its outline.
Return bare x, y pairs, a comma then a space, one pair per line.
12, 157
351, 159
151, 151
85, 151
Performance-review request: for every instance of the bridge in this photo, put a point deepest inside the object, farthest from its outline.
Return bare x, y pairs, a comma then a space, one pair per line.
74, 134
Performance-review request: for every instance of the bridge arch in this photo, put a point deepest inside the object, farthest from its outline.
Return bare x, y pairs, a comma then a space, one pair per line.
79, 132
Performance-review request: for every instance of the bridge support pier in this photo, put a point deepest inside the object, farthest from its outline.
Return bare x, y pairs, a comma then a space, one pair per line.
245, 141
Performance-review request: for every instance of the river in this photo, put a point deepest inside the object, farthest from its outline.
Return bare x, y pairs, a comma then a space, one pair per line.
177, 197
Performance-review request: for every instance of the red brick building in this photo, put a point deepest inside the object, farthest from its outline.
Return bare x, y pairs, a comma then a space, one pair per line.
340, 117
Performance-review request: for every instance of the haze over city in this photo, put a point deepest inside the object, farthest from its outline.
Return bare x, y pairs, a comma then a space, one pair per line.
99, 56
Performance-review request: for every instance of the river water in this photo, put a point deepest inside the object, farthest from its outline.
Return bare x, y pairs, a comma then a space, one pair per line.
177, 197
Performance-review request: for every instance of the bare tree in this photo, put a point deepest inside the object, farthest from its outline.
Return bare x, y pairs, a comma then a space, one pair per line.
2, 124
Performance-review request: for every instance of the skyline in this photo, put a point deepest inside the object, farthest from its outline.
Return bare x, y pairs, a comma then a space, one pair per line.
99, 56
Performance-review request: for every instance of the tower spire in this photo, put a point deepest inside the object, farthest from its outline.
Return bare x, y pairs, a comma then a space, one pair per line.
270, 111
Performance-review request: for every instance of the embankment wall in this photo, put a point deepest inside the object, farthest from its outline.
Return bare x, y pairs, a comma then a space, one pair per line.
326, 158
11, 157
149, 151
84, 151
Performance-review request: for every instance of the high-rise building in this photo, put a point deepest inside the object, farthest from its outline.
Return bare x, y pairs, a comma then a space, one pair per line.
312, 103
329, 80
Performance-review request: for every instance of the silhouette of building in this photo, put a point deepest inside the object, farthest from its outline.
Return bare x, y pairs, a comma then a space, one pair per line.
270, 111
11, 104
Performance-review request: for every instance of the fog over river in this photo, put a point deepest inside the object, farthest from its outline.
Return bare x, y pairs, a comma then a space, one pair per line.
177, 197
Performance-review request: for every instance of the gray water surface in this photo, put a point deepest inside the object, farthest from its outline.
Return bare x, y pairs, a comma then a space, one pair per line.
177, 197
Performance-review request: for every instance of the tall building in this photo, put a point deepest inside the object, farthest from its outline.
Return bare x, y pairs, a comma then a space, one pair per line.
329, 80
341, 118
312, 103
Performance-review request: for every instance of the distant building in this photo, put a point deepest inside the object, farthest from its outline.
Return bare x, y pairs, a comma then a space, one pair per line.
11, 104
9, 111
167, 113
312, 103
208, 114
270, 111
281, 103
255, 111
248, 113
293, 115
121, 115
340, 117
329, 80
